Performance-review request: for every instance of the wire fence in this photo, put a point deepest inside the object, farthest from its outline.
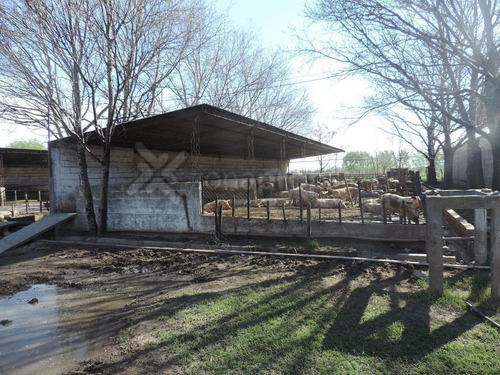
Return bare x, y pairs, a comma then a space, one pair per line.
329, 196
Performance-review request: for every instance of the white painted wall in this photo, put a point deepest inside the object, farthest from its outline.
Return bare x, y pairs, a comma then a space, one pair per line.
148, 188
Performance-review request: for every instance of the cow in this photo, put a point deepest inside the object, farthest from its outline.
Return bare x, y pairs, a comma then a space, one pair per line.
307, 197
394, 205
343, 193
331, 203
210, 207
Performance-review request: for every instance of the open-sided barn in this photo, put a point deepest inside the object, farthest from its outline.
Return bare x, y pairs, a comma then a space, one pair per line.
23, 171
157, 164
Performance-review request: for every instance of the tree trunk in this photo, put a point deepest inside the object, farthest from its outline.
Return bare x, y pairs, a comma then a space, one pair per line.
431, 172
475, 177
495, 153
492, 89
103, 206
448, 153
87, 192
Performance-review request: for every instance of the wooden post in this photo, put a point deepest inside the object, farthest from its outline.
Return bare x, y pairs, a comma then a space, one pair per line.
268, 212
284, 214
340, 214
219, 224
319, 213
216, 212
360, 203
12, 209
349, 192
480, 236
434, 247
202, 192
495, 253
384, 212
15, 196
308, 221
39, 196
232, 206
404, 212
41, 206
300, 203
248, 198
26, 202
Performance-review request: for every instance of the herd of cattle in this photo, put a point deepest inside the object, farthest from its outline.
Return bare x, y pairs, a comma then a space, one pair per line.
329, 195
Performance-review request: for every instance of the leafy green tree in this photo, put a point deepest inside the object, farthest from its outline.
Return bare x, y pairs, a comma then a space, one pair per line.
28, 144
357, 161
384, 160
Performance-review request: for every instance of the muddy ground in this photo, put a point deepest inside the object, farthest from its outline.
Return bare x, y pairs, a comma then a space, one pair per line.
49, 263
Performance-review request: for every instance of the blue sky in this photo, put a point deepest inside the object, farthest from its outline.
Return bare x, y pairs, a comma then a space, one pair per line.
272, 20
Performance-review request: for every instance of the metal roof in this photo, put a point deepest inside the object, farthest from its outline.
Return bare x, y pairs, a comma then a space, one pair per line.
220, 133
15, 157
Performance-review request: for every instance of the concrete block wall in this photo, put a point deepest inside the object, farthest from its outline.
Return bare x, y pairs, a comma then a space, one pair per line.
155, 207
141, 165
66, 174
460, 163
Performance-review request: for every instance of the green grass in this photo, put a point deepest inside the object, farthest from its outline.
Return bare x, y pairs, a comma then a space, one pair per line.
303, 325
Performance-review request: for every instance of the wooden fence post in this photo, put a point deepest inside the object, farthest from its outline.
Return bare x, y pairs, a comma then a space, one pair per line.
219, 224
404, 212
384, 212
232, 206
308, 221
340, 214
248, 198
300, 203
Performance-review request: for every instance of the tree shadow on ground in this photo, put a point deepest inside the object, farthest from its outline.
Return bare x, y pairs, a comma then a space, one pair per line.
307, 318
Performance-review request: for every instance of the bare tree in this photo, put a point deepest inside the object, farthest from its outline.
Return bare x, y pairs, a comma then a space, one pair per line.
77, 66
384, 39
230, 70
324, 135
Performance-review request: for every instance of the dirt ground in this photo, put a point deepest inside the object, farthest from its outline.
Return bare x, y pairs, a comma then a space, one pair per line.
50, 263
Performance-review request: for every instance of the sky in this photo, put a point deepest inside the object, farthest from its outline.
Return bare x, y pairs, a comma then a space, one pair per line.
272, 21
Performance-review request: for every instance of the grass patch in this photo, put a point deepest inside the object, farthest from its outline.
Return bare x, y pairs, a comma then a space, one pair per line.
313, 323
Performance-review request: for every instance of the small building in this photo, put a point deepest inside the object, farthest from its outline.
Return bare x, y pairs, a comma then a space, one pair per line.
158, 163
24, 171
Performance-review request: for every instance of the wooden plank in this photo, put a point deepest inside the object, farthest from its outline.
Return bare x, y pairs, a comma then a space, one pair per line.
34, 230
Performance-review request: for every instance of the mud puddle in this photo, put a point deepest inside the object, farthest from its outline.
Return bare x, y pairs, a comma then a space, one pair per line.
47, 329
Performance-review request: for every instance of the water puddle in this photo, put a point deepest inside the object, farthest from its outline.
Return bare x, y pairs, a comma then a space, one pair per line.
63, 325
